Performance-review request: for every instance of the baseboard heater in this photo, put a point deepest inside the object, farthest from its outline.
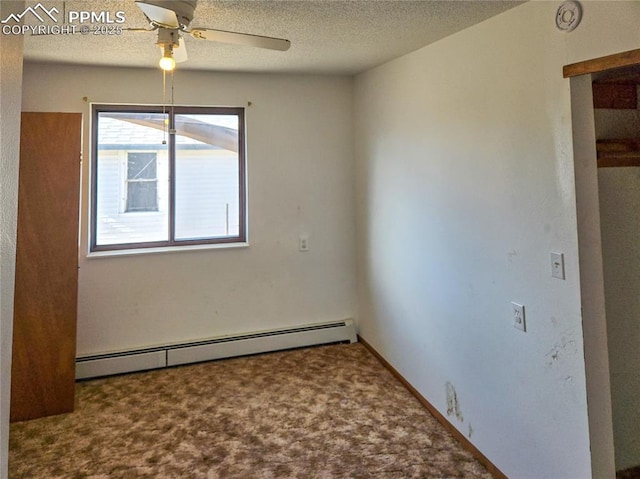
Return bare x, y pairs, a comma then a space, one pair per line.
214, 348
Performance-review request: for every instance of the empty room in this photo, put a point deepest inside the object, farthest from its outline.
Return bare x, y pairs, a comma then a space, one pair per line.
319, 238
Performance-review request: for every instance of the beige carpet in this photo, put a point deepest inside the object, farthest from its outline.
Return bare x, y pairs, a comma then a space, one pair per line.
327, 412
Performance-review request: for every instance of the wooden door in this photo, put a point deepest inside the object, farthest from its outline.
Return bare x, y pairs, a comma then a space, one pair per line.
44, 328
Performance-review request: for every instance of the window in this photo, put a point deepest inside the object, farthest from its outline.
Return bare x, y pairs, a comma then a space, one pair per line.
165, 179
142, 182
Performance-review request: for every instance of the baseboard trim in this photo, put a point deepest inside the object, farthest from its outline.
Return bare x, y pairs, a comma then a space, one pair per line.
464, 442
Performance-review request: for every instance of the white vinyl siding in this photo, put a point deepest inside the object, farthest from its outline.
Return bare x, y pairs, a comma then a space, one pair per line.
205, 207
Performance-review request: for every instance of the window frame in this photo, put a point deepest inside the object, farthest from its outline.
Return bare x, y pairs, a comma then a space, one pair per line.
171, 112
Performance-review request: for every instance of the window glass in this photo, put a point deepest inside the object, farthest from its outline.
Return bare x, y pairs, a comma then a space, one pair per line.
129, 208
207, 188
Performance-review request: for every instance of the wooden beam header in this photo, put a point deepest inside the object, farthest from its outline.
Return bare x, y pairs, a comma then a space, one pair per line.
617, 60
618, 152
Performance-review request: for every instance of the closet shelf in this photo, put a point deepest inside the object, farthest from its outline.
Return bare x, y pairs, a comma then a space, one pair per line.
616, 153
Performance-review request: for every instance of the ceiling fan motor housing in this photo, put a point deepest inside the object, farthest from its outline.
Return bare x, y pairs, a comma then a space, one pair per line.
168, 37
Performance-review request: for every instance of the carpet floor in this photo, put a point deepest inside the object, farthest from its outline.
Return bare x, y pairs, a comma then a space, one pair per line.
324, 412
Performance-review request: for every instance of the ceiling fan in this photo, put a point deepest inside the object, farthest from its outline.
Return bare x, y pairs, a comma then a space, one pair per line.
171, 19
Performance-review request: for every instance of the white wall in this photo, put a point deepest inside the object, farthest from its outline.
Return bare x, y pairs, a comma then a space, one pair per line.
10, 93
465, 184
300, 181
619, 206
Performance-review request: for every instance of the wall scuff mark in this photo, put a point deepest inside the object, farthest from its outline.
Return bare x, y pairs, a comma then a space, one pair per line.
565, 346
453, 406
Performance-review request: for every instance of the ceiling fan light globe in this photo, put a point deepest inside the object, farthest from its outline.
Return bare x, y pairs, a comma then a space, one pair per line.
167, 64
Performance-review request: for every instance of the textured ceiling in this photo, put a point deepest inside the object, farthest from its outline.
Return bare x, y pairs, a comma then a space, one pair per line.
327, 36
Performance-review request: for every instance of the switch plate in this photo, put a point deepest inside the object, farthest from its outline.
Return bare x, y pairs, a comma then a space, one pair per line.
303, 243
517, 313
557, 265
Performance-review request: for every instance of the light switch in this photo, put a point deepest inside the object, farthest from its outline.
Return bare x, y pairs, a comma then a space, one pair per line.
557, 265
303, 243
517, 313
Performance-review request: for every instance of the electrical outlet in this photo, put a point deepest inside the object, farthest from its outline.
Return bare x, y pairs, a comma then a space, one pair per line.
303, 243
517, 313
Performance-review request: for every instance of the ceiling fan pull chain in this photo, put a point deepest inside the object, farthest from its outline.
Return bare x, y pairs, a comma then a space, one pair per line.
164, 103
172, 85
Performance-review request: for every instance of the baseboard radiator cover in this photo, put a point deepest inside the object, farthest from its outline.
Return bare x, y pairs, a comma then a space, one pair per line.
120, 362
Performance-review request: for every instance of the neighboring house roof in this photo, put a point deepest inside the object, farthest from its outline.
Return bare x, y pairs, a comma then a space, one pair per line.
118, 131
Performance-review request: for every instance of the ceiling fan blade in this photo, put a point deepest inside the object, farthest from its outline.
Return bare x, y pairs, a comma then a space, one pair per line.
161, 16
180, 52
240, 39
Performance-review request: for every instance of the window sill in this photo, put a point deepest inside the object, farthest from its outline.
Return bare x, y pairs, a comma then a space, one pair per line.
164, 249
